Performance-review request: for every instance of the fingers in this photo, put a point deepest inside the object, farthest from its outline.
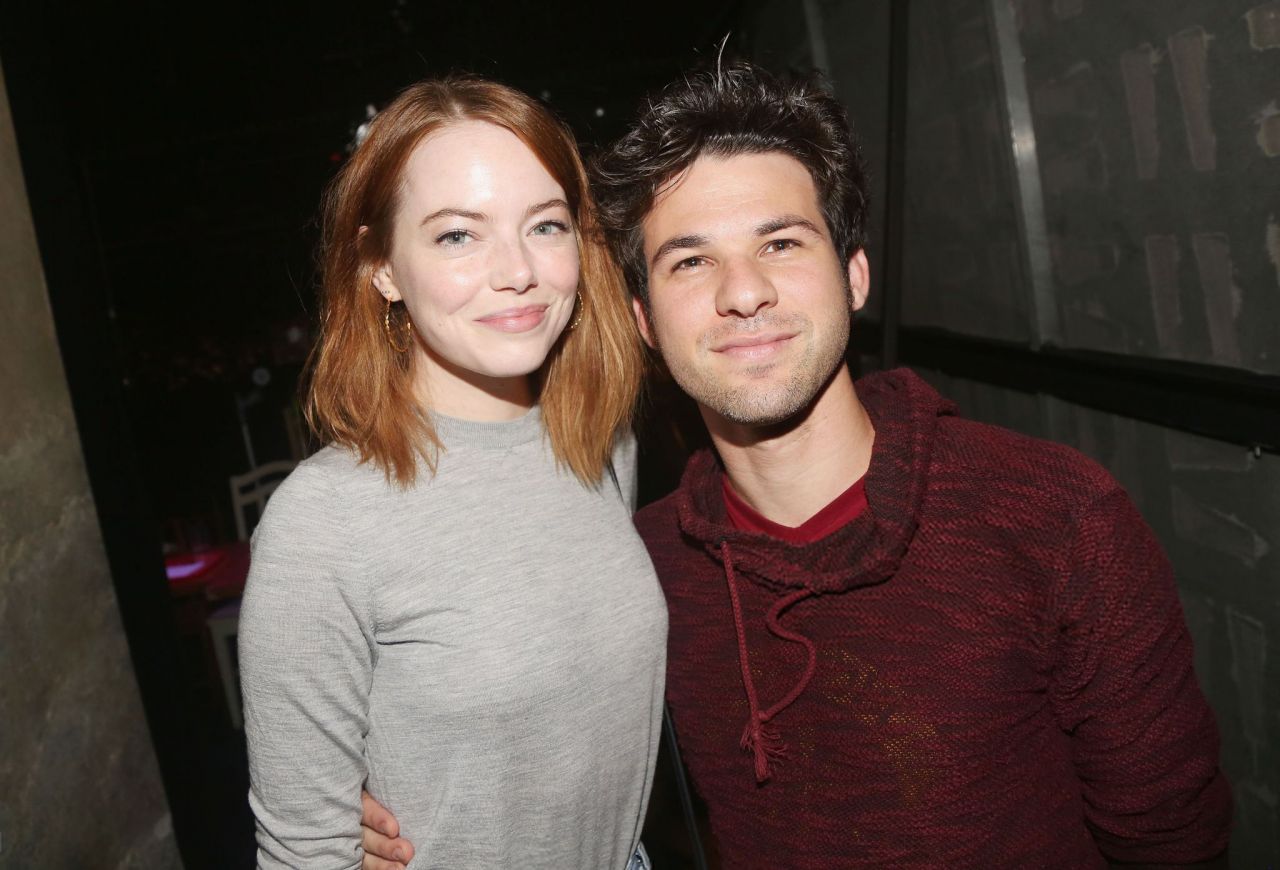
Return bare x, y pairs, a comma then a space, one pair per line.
383, 849
374, 815
384, 853
371, 862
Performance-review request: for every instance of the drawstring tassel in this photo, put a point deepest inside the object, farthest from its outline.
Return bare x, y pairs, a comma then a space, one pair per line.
764, 742
760, 738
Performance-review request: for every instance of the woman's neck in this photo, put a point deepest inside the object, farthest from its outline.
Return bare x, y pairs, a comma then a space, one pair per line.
471, 396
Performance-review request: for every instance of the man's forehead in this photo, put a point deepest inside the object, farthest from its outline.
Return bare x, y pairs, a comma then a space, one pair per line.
746, 165
745, 188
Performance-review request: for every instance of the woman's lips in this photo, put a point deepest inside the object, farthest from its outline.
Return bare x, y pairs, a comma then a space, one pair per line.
514, 319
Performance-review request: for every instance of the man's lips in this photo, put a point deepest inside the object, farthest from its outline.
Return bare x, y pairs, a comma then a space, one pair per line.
521, 319
753, 346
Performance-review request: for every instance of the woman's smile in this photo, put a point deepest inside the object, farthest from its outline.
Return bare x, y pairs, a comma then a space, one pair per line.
522, 319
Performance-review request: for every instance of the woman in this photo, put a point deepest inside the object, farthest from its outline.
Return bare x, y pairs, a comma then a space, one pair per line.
448, 605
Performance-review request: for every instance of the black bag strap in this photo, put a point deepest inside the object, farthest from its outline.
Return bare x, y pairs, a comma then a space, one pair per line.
613, 473
682, 783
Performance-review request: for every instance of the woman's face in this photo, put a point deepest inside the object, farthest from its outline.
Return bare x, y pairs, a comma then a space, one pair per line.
485, 257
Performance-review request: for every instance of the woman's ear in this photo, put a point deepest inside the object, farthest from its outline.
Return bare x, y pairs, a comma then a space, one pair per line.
385, 284
383, 279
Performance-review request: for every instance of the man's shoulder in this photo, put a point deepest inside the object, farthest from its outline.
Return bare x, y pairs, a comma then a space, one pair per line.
659, 520
1003, 457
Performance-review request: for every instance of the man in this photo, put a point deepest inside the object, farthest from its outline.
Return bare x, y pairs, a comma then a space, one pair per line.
897, 638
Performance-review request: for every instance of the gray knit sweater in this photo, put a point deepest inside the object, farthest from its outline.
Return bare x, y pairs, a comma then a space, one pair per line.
484, 650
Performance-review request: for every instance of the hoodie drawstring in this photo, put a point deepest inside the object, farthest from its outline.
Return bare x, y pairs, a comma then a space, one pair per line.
759, 738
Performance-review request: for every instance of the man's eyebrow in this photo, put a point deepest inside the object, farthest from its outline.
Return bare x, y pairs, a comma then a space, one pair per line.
675, 244
786, 222
554, 202
454, 212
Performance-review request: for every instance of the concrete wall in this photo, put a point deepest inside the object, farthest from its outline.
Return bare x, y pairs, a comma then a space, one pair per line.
78, 777
1156, 131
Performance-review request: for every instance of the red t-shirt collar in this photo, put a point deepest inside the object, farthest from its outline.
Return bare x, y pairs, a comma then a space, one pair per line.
844, 509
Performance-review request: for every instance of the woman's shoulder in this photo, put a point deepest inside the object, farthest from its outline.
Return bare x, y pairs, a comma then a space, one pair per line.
339, 470
304, 566
339, 463
318, 494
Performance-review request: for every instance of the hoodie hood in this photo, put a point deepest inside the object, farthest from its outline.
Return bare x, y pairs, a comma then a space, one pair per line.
904, 411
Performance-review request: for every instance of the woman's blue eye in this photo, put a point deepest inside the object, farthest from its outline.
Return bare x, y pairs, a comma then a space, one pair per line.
548, 228
453, 237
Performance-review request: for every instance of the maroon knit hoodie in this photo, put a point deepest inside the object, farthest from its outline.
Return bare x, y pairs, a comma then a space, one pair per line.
988, 668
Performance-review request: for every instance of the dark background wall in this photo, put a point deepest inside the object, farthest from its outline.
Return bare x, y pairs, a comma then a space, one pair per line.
1154, 125
77, 769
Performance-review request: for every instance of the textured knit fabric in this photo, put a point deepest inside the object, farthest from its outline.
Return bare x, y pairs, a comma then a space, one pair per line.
484, 649
1002, 674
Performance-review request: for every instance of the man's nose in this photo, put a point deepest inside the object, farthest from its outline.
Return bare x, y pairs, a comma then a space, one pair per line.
512, 268
745, 290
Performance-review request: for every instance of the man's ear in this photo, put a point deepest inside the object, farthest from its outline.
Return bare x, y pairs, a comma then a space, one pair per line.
859, 278
642, 321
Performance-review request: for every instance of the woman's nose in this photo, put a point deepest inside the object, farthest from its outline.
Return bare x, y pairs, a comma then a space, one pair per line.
512, 268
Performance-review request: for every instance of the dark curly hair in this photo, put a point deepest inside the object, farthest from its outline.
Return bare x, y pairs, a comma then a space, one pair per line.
736, 109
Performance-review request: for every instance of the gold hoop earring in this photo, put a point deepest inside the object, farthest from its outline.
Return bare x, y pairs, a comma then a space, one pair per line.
386, 327
578, 317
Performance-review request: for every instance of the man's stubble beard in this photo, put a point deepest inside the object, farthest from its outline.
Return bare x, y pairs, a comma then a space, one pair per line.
760, 403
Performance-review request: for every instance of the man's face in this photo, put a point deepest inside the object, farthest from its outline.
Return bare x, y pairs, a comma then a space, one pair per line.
749, 303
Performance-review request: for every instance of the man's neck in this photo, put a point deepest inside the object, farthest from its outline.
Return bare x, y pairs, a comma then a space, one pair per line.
790, 471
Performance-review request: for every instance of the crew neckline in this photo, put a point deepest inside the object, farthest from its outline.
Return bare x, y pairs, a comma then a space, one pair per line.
454, 432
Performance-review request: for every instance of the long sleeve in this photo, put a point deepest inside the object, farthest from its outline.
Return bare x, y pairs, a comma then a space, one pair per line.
306, 664
1144, 740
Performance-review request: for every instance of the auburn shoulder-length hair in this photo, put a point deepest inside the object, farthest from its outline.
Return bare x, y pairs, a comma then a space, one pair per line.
359, 389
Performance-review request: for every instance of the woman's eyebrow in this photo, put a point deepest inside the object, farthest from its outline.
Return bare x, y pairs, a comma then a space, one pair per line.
481, 216
543, 206
454, 212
